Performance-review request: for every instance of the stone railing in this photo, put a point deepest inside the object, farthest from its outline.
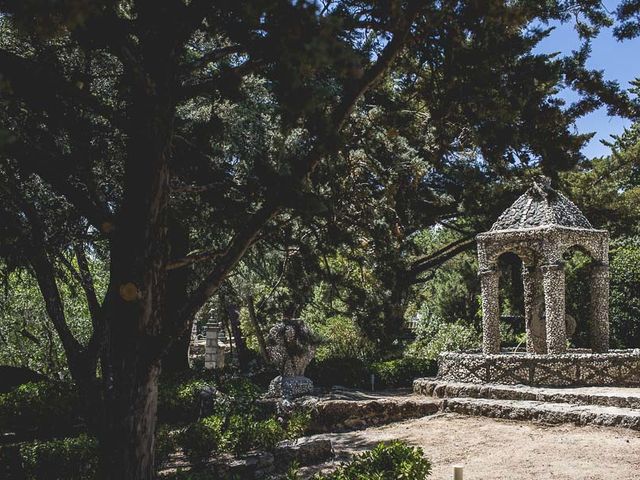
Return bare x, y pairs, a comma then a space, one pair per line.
575, 368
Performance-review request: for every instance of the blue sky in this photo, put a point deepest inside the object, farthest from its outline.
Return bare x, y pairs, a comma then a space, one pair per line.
619, 60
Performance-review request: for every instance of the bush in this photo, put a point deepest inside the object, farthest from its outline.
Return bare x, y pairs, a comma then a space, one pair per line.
392, 461
298, 423
625, 296
166, 444
46, 405
186, 400
202, 439
435, 337
64, 459
344, 371
267, 434
401, 372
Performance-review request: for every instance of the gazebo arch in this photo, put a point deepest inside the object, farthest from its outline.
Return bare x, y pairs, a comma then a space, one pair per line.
540, 227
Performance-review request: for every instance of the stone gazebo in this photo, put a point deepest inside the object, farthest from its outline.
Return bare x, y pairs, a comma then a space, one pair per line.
540, 227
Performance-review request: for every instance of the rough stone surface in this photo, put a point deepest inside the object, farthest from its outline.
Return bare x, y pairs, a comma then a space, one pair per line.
291, 347
304, 451
540, 227
621, 397
544, 412
620, 367
290, 387
344, 410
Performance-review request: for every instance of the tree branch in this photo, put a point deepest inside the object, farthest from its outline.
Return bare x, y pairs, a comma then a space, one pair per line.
440, 256
194, 257
327, 143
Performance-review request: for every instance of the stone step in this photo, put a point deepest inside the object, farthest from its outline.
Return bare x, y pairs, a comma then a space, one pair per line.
621, 397
545, 412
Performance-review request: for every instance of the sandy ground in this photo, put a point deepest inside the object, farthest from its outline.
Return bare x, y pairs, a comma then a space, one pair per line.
493, 449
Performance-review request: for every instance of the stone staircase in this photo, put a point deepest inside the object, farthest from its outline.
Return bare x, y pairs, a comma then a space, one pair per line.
600, 406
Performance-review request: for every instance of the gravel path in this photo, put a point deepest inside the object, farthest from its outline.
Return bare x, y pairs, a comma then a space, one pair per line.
492, 449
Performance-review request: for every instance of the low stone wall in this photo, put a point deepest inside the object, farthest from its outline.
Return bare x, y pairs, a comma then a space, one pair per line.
575, 368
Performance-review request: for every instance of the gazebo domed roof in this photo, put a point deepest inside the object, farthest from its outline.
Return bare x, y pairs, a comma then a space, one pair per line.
541, 206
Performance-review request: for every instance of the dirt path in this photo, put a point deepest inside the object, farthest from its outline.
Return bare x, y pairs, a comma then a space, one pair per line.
493, 449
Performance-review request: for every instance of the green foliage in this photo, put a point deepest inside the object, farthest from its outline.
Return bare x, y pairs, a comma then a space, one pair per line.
46, 406
28, 336
268, 433
166, 444
61, 459
181, 400
625, 295
434, 336
453, 293
341, 337
344, 371
298, 423
401, 372
202, 439
391, 461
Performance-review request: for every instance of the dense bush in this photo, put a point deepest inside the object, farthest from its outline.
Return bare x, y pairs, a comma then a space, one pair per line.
64, 459
401, 372
184, 400
392, 461
47, 405
166, 444
434, 336
203, 438
625, 296
344, 371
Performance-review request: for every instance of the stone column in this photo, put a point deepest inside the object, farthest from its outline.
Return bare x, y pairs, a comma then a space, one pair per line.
599, 321
489, 282
533, 310
211, 345
554, 302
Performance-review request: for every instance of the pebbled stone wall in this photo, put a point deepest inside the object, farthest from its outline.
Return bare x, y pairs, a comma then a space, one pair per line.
618, 367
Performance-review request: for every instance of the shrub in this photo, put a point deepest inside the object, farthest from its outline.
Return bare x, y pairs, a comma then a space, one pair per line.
65, 459
202, 439
625, 296
49, 405
344, 371
392, 461
435, 337
186, 400
298, 423
267, 434
401, 372
165, 445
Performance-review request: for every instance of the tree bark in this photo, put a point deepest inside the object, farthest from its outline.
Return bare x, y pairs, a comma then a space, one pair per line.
262, 345
135, 307
238, 338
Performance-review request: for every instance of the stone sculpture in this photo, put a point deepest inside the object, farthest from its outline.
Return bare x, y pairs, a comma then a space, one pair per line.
291, 346
540, 227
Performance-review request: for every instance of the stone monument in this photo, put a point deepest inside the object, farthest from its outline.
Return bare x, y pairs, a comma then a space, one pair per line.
291, 346
214, 348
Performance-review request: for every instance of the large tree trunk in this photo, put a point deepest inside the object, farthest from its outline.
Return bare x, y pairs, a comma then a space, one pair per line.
135, 307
